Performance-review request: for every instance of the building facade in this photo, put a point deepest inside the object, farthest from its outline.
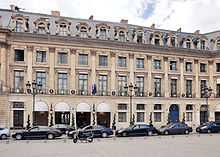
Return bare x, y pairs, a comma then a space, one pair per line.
83, 66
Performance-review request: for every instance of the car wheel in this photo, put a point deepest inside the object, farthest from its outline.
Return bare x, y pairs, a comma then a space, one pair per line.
18, 137
104, 135
209, 131
124, 134
149, 133
186, 132
166, 132
50, 136
3, 137
75, 140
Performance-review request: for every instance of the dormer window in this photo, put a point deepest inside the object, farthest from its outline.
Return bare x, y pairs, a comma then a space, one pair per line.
63, 30
102, 33
157, 40
188, 44
218, 45
202, 44
139, 37
121, 36
19, 25
83, 32
41, 29
172, 41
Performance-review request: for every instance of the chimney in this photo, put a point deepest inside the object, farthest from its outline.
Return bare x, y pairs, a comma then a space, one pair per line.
197, 31
123, 21
153, 25
56, 13
12, 7
91, 17
179, 30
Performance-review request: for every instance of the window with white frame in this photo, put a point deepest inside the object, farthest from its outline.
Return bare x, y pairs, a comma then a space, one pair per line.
83, 84
103, 84
83, 32
18, 114
188, 67
62, 57
173, 87
121, 36
41, 56
19, 81
62, 83
157, 87
157, 112
102, 33
63, 29
173, 65
188, 44
140, 116
103, 60
19, 25
121, 84
122, 114
140, 63
157, 64
83, 59
121, 61
188, 88
189, 113
140, 85
41, 28
41, 78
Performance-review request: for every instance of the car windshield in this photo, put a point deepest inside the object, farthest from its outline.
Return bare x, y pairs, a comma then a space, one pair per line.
130, 127
206, 123
169, 125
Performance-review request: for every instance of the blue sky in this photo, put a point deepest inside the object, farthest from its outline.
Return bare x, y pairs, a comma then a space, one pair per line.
190, 15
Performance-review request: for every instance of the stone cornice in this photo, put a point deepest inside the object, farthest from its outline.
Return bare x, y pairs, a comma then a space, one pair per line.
110, 45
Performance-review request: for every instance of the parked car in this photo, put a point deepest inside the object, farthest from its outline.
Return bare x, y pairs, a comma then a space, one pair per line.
135, 130
64, 128
209, 127
175, 128
4, 133
97, 130
37, 132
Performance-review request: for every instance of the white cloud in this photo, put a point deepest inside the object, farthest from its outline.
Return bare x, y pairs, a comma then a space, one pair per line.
190, 15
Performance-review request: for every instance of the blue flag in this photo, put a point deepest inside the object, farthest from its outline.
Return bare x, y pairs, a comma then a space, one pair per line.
94, 89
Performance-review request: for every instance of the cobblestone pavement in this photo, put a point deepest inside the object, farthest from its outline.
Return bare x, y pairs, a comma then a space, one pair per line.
194, 145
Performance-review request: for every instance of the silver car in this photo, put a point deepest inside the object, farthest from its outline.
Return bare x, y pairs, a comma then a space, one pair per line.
4, 133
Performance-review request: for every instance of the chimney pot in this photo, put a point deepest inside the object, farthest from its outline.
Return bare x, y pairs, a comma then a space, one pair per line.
91, 17
153, 25
56, 13
179, 30
12, 7
123, 21
197, 31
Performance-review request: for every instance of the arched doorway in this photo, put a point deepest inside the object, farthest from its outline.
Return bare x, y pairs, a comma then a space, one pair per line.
62, 113
83, 115
41, 114
217, 112
103, 115
174, 113
203, 114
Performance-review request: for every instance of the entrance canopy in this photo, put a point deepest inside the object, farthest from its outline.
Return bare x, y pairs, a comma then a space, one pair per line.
103, 107
62, 107
217, 108
83, 107
41, 106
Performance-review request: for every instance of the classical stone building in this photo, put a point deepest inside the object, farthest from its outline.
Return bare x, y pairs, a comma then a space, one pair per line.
72, 57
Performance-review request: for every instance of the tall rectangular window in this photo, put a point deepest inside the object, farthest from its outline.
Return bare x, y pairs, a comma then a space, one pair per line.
103, 84
83, 84
140, 63
62, 83
103, 60
189, 88
62, 57
188, 67
173, 65
19, 25
121, 61
217, 67
157, 87
202, 67
172, 41
18, 55
218, 90
140, 85
121, 116
157, 112
157, 64
189, 113
41, 56
41, 29
41, 78
203, 85
18, 114
102, 33
140, 37
202, 44
121, 84
83, 59
63, 30
18, 81
173, 87
140, 116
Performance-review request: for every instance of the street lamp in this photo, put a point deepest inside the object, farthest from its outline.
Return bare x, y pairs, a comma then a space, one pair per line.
130, 94
33, 91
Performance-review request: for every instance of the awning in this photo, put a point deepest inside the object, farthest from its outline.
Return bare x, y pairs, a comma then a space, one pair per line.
83, 107
217, 108
41, 106
103, 107
62, 107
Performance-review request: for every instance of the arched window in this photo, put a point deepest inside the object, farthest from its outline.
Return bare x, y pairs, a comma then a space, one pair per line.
218, 45
41, 28
140, 37
173, 41
102, 33
19, 25
121, 36
188, 44
157, 40
83, 32
202, 44
63, 29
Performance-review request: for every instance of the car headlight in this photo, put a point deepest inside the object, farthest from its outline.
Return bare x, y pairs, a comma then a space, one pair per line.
120, 131
204, 127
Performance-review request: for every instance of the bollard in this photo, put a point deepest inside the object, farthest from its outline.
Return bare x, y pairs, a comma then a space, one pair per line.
145, 137
159, 137
210, 134
27, 141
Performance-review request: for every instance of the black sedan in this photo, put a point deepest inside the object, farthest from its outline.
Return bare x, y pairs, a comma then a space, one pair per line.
37, 132
175, 128
64, 128
97, 130
209, 127
137, 130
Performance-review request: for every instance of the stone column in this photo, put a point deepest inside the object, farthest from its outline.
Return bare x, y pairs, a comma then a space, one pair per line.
197, 78
93, 65
131, 68
181, 76
166, 78
113, 64
3, 63
149, 76
73, 69
30, 63
52, 65
211, 74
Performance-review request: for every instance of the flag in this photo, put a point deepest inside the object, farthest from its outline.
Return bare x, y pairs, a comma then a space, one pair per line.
94, 91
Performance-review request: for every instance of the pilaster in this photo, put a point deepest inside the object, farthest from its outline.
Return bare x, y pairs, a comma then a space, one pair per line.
131, 68
166, 80
30, 62
113, 64
73, 69
196, 61
149, 69
51, 70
